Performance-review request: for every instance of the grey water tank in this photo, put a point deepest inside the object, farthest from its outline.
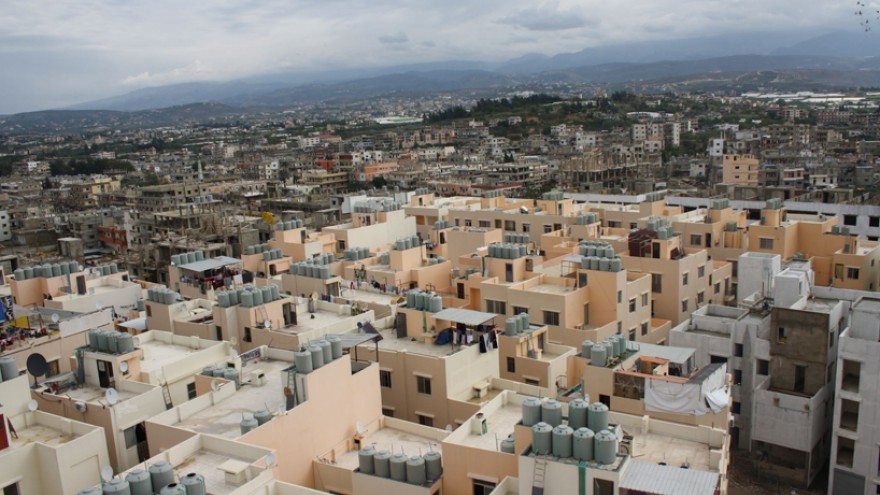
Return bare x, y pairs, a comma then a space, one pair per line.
248, 423
398, 467
173, 489
541, 438
317, 356
335, 346
74, 266
103, 342
577, 413
267, 256
92, 490
234, 298
19, 274
524, 321
113, 341
161, 475
303, 361
415, 471
267, 294
28, 272
508, 445
208, 370
223, 299
65, 268
616, 265
194, 484
436, 304
582, 444
139, 482
116, 486
56, 270
365, 459
326, 350
263, 416
219, 371
125, 343
531, 411
586, 346
8, 368
609, 348
433, 465
562, 441
411, 299
93, 338
598, 417
382, 464
247, 299
605, 447
276, 292
232, 375
551, 412
257, 296
510, 326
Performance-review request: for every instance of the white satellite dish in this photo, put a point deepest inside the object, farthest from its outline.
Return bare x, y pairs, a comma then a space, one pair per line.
98, 305
360, 428
267, 323
448, 427
106, 473
112, 396
33, 405
215, 385
136, 341
55, 317
81, 406
270, 460
123, 366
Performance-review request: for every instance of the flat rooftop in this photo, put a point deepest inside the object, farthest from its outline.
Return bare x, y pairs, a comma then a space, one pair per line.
392, 440
223, 419
37, 433
819, 305
89, 393
652, 448
390, 341
367, 296
208, 464
500, 424
157, 354
550, 289
322, 319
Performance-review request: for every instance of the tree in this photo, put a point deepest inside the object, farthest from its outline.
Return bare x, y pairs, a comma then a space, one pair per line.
379, 181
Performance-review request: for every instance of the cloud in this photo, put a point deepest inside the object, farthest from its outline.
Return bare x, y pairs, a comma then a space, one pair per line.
196, 71
548, 17
394, 39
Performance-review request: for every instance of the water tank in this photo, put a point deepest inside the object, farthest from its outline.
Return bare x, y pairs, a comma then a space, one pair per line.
248, 423
92, 490
276, 292
365, 459
324, 272
594, 263
616, 265
28, 272
232, 375
433, 465
19, 274
582, 444
223, 299
508, 445
416, 473
411, 299
598, 356
541, 438
125, 342
551, 412
103, 342
577, 413
531, 411
598, 417
257, 296
190, 257
208, 371
170, 297
173, 489
382, 464
317, 356
194, 484
267, 293
219, 371
335, 347
116, 486
562, 441
200, 255
234, 298
262, 416
605, 447
8, 368
247, 299
267, 256
139, 482
56, 270
586, 346
65, 268
303, 361
609, 348
398, 467
161, 475
326, 349
113, 341
511, 325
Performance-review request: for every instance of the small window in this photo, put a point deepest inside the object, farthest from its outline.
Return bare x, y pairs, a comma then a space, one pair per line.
738, 350
511, 365
385, 378
684, 279
632, 305
737, 377
763, 367
247, 335
645, 299
467, 222
766, 243
484, 224
780, 335
852, 273
656, 282
644, 329
149, 311
423, 385
130, 437
696, 240
735, 407
551, 318
701, 296
684, 305
718, 288
701, 271
850, 219
632, 335
548, 229
191, 390
425, 420
526, 228
388, 412
619, 296
873, 221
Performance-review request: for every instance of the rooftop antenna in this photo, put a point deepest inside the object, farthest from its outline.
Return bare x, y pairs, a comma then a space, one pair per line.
37, 366
112, 396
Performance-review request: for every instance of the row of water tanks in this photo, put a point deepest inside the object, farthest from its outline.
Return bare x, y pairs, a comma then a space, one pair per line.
581, 414
582, 444
603, 264
516, 324
272, 254
162, 295
517, 238
373, 206
187, 258
48, 270
423, 301
317, 354
356, 253
290, 225
441, 224
507, 251
493, 194
436, 260
553, 196
8, 368
652, 197
159, 480
405, 243
257, 248
251, 421
225, 372
595, 248
719, 204
310, 270
110, 341
249, 296
586, 219
417, 470
602, 353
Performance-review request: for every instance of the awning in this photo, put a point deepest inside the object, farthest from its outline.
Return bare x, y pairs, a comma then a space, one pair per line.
465, 316
718, 400
210, 264
139, 324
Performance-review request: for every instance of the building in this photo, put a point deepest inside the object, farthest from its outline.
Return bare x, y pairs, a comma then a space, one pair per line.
739, 169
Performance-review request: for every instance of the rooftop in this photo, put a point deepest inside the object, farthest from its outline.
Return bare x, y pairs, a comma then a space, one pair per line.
500, 424
89, 393
390, 341
392, 440
37, 433
157, 354
208, 465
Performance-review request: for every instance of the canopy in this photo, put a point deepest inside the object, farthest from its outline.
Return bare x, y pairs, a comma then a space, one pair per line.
465, 316
210, 264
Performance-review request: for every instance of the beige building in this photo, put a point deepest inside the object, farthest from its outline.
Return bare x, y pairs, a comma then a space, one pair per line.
740, 169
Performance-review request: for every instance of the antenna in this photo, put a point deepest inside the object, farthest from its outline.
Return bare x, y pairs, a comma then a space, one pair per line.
37, 366
112, 396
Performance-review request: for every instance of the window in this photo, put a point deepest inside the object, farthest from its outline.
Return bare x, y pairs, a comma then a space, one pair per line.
632, 335
532, 381
701, 271
684, 305
735, 407
701, 296
873, 221
714, 358
498, 307
483, 487
632, 305
548, 229
780, 335
684, 279
619, 296
423, 385
852, 373
191, 390
738, 350
800, 377
484, 224
644, 299
696, 239
425, 420
644, 329
388, 412
845, 451
656, 282
519, 309
385, 378
130, 437
765, 243
149, 311
526, 228
247, 335
467, 222
737, 377
551, 318
763, 367
511, 365
718, 288
850, 219
852, 273
11, 489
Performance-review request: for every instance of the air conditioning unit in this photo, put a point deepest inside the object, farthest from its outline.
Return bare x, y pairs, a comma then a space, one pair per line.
258, 378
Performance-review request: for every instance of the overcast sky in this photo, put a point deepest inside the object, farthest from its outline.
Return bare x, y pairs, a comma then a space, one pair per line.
56, 53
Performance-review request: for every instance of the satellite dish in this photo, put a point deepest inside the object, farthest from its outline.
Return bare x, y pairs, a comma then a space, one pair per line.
98, 305
360, 428
448, 427
37, 366
136, 341
123, 366
270, 459
106, 473
33, 405
55, 317
112, 396
215, 385
80, 406
267, 323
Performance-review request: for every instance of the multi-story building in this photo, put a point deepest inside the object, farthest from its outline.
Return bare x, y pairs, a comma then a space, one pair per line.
740, 169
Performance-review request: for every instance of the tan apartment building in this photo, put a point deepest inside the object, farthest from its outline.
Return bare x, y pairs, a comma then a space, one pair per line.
740, 169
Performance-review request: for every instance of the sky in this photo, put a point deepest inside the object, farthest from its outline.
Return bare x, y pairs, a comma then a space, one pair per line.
58, 53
